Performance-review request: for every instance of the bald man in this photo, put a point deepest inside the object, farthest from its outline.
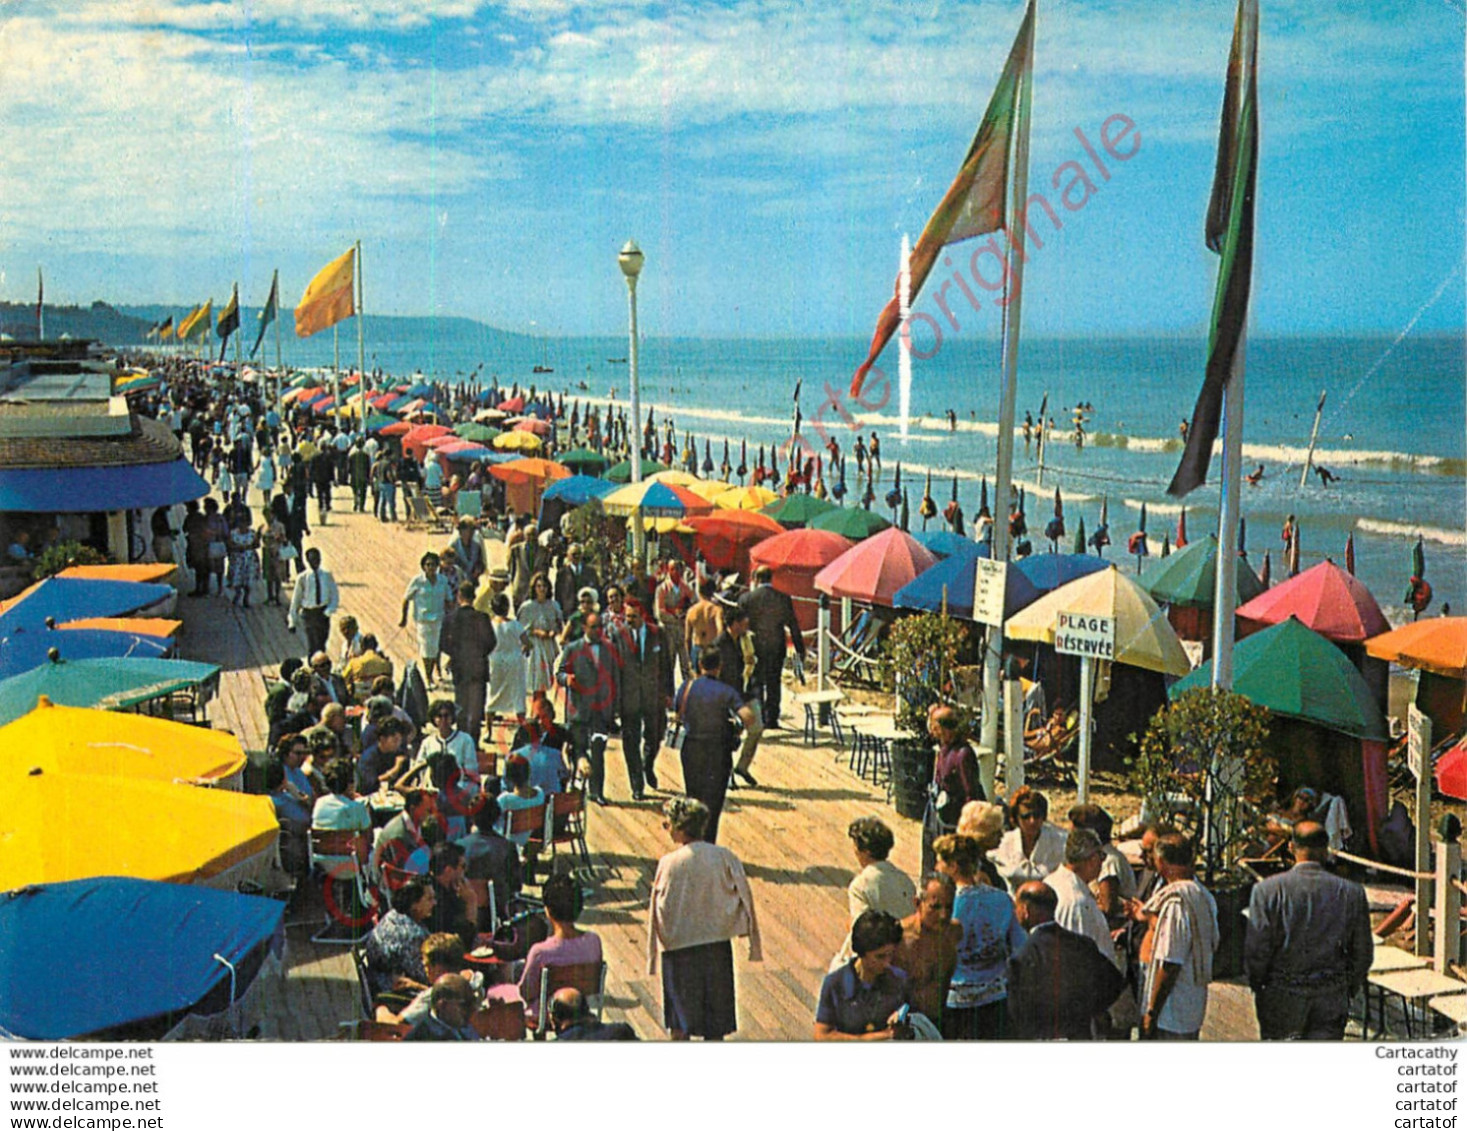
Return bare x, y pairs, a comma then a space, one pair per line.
1308, 948
1059, 983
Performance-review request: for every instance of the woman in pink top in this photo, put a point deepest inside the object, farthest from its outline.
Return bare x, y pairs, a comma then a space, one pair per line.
700, 902
567, 945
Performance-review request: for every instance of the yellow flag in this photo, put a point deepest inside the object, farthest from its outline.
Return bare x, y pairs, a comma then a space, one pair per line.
200, 317
329, 298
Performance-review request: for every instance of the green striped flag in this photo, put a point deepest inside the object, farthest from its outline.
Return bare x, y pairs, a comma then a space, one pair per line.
975, 204
1229, 231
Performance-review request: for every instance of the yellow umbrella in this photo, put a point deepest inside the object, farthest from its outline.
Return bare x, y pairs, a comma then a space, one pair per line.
1144, 637
352, 407
745, 498
678, 479
709, 489
78, 740
516, 442
57, 826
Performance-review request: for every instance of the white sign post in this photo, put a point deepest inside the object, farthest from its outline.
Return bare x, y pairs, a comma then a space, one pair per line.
1091, 638
990, 580
1418, 747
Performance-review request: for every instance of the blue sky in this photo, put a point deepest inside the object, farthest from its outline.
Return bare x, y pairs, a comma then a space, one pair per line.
767, 155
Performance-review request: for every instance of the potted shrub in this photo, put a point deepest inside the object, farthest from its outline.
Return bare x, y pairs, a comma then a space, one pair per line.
63, 555
919, 656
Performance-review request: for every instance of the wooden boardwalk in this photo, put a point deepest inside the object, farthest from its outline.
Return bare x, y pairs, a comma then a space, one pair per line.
790, 833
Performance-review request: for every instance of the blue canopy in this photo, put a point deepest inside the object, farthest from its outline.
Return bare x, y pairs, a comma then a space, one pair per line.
578, 490
104, 684
68, 490
957, 573
468, 455
422, 389
71, 598
28, 648
1050, 571
944, 543
94, 954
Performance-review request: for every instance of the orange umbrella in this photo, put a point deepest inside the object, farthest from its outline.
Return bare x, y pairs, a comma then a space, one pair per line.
1438, 644
726, 536
147, 572
519, 470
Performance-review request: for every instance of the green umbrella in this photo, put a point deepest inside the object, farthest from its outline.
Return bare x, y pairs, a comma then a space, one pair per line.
1188, 578
622, 472
104, 684
794, 511
1293, 671
854, 523
1080, 536
379, 420
478, 433
583, 461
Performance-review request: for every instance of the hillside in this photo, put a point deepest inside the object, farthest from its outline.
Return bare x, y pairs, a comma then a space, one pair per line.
99, 321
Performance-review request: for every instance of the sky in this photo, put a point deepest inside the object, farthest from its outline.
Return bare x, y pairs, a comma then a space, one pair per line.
767, 155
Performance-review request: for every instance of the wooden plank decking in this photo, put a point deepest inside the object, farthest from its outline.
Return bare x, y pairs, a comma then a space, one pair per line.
790, 833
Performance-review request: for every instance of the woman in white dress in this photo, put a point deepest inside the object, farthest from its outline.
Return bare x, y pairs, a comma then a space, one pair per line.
265, 478
509, 663
540, 618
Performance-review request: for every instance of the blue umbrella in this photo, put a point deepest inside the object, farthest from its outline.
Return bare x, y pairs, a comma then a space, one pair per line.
28, 648
132, 951
1049, 571
71, 598
946, 544
957, 574
578, 490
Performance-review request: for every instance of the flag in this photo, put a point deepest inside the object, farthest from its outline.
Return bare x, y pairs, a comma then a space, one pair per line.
200, 316
165, 328
228, 320
1229, 232
975, 203
329, 297
267, 316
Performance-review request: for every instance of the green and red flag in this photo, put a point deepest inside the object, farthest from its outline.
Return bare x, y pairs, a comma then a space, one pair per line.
1229, 231
976, 203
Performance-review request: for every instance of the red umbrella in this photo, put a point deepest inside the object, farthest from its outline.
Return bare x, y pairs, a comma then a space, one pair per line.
401, 428
530, 424
415, 442
514, 404
874, 569
726, 536
796, 556
1326, 599
1451, 772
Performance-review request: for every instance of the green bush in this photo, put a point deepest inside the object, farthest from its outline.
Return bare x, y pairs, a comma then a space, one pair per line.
919, 655
64, 555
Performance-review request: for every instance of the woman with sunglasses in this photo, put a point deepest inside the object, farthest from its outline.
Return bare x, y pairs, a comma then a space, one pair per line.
1033, 848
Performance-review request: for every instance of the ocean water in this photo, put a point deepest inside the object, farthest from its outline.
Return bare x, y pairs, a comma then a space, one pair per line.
1394, 426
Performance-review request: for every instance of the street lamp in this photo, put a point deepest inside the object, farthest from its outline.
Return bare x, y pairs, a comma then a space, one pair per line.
630, 260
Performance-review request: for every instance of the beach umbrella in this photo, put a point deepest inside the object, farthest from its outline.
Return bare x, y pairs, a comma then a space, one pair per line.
773, 464
415, 442
468, 453
378, 422
725, 537
490, 416
708, 489
530, 470
1418, 592
622, 472
82, 740
512, 405
655, 500
1297, 673
868, 496
838, 492
1050, 571
29, 647
800, 549
1291, 551
983, 494
678, 478
578, 490
447, 440
1350, 553
1188, 578
107, 684
153, 573
479, 433
1182, 528
746, 499
1451, 772
422, 389
875, 568
1437, 644
1324, 598
945, 544
725, 467
397, 428
541, 428
707, 457
1265, 575
62, 599
1080, 543
1136, 544
1144, 638
894, 496
927, 508
852, 523
583, 461
797, 510
525, 442
1054, 529
904, 521
1166, 545
743, 468
957, 576
133, 951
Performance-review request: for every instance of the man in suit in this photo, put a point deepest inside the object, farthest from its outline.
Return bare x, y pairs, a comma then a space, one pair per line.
589, 671
771, 616
453, 1001
468, 639
570, 1017
646, 694
1308, 948
730, 645
1059, 983
572, 577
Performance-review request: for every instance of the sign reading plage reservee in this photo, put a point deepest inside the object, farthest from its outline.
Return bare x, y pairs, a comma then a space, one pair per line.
1082, 634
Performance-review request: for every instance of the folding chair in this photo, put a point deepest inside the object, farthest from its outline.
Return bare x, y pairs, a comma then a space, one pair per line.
341, 855
362, 966
536, 822
418, 515
568, 826
588, 977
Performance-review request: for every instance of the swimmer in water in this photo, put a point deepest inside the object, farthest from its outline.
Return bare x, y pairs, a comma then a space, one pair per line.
1255, 477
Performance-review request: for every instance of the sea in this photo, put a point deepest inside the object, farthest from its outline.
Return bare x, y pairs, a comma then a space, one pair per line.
1393, 428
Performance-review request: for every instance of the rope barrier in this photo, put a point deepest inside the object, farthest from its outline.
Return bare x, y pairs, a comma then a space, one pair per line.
1377, 866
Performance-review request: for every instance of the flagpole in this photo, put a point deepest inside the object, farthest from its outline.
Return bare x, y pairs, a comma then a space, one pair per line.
279, 363
1225, 600
1018, 195
1313, 438
40, 306
361, 341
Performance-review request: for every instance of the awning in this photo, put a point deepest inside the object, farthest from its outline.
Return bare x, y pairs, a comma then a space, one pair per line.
88, 489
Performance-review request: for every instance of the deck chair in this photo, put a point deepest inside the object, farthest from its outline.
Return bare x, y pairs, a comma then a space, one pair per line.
588, 977
340, 855
469, 504
857, 651
418, 515
364, 982
1049, 742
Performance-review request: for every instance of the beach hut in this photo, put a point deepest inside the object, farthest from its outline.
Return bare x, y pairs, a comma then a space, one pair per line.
1327, 731
141, 961
796, 556
873, 570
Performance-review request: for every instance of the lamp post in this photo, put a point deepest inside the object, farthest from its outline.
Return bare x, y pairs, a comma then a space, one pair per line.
630, 261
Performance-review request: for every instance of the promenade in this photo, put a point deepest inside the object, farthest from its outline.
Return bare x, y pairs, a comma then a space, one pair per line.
790, 833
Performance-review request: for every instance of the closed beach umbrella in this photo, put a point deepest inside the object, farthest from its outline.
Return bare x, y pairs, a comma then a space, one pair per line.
874, 569
1265, 575
1296, 672
1182, 528
109, 684
1324, 598
850, 522
1189, 577
1350, 553
132, 951
1144, 638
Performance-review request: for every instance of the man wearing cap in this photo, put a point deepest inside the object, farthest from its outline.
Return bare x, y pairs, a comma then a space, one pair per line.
313, 601
1309, 947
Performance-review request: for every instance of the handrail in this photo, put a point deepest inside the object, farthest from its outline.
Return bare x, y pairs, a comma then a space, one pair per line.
1379, 867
